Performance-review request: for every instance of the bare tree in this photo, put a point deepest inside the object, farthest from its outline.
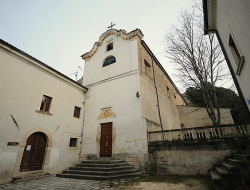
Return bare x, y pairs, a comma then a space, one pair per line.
199, 58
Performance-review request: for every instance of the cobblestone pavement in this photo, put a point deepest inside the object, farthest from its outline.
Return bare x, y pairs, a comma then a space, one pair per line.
57, 183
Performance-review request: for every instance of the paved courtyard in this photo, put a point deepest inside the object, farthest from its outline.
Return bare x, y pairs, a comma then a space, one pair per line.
142, 183
53, 182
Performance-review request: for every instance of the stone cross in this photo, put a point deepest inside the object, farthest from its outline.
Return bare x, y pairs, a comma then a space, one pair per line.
111, 25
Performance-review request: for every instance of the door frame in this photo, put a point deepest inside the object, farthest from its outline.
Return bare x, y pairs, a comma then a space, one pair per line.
45, 167
35, 152
111, 138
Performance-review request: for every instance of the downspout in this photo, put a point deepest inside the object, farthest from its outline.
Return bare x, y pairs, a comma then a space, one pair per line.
156, 91
80, 151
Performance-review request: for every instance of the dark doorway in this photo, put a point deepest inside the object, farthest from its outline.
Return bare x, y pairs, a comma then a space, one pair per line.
106, 140
33, 154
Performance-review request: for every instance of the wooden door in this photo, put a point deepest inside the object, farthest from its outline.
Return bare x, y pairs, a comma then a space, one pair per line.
106, 140
33, 154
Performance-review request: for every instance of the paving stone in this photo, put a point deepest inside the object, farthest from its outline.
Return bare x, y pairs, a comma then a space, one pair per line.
55, 183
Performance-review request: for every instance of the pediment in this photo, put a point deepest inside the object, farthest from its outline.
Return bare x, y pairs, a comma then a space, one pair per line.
119, 33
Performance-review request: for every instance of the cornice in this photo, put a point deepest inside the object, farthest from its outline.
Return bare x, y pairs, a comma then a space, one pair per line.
119, 33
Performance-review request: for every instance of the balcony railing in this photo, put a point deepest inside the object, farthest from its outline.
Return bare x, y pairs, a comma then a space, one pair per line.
199, 133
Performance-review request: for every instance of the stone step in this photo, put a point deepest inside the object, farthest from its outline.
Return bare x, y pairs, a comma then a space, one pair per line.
241, 157
102, 165
101, 169
92, 177
99, 173
245, 152
221, 171
214, 175
216, 179
229, 167
103, 161
235, 162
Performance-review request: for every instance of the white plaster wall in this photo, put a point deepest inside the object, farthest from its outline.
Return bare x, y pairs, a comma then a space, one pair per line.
22, 86
129, 128
125, 52
115, 86
233, 18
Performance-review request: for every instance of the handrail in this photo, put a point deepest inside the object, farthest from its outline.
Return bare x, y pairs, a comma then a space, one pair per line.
207, 132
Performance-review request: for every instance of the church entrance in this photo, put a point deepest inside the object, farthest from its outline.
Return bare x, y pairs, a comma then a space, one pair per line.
106, 140
33, 154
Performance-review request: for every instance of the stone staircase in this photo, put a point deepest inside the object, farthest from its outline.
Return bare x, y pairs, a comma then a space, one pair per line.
234, 172
101, 169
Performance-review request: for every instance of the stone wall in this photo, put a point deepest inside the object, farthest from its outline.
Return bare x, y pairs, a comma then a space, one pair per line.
191, 117
189, 157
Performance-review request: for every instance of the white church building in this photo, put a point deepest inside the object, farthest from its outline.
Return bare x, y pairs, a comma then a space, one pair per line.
49, 122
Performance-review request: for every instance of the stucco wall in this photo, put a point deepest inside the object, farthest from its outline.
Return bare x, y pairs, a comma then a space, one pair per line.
232, 17
168, 98
125, 52
114, 87
161, 79
169, 112
22, 87
197, 117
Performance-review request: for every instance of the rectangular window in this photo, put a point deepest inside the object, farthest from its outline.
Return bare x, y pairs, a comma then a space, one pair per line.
234, 49
147, 68
110, 46
146, 63
239, 59
73, 142
45, 104
77, 112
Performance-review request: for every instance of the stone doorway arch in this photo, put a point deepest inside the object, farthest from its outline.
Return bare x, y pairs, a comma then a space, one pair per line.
33, 154
45, 162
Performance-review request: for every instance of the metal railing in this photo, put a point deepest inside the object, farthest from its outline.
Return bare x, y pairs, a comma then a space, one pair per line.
209, 132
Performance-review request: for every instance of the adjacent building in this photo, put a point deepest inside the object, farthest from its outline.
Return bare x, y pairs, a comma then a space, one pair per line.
229, 19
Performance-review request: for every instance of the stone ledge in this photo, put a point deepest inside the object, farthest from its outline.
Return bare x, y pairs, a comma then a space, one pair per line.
17, 179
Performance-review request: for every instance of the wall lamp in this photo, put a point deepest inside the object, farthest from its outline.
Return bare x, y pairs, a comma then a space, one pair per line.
138, 94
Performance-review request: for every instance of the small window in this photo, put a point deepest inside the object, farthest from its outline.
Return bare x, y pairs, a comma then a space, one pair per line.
167, 87
77, 112
239, 59
45, 104
73, 142
110, 46
147, 68
109, 61
234, 48
146, 63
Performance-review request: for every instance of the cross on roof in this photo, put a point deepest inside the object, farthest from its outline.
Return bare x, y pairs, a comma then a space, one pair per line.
111, 25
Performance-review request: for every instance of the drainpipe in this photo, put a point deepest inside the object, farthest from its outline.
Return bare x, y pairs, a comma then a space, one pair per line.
82, 127
156, 91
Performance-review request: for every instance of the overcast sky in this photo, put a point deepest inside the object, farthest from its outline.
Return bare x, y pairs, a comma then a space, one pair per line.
58, 32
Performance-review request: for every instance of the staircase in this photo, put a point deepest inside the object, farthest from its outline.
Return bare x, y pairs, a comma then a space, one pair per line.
234, 172
100, 169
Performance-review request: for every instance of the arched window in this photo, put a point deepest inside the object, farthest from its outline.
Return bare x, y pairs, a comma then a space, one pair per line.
109, 61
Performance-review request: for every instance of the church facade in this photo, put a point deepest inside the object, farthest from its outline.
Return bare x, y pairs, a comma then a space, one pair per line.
49, 122
121, 95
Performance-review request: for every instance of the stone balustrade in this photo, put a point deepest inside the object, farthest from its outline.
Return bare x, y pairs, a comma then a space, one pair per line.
199, 133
